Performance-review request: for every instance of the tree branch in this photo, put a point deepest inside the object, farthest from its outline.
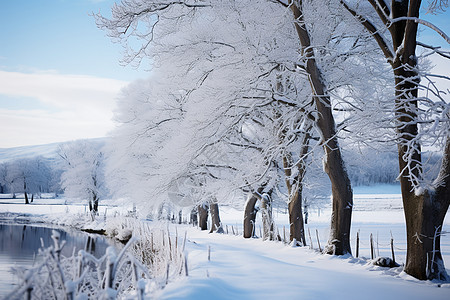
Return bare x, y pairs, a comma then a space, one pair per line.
423, 22
435, 49
372, 30
382, 10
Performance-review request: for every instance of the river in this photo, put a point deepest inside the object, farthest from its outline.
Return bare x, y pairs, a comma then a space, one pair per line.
19, 244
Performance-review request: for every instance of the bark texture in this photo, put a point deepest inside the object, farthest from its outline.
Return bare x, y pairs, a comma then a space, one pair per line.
216, 224
250, 217
424, 211
297, 228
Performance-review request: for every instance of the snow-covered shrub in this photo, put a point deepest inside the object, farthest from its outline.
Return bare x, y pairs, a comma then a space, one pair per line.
156, 248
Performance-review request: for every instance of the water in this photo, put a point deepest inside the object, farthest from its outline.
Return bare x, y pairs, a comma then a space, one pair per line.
19, 246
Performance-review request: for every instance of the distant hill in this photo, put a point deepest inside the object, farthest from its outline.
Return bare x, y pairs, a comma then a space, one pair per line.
47, 151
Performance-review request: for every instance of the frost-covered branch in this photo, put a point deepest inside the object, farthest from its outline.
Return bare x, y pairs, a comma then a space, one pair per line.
423, 22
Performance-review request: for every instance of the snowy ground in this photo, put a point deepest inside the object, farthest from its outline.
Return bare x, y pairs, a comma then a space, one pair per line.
254, 269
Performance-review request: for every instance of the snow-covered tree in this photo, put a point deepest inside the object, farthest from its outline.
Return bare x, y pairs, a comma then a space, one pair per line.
219, 83
83, 175
29, 175
421, 119
38, 174
339, 240
230, 80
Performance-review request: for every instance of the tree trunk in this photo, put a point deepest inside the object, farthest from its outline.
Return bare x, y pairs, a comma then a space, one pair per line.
250, 217
216, 225
342, 195
424, 210
194, 217
266, 216
297, 229
203, 216
95, 204
250, 213
424, 215
25, 191
424, 219
180, 216
295, 189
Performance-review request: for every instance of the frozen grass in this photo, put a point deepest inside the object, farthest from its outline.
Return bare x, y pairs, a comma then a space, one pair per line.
158, 245
81, 276
146, 264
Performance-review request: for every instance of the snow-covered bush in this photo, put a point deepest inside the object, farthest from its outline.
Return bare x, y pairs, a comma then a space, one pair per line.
159, 251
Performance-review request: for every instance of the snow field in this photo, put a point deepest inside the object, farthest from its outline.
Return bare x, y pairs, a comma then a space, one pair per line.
255, 269
381, 223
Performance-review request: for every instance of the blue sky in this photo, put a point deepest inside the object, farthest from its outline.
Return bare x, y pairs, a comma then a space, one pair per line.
59, 35
59, 74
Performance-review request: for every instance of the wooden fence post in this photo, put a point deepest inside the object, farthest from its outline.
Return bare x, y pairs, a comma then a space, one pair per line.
372, 251
392, 249
357, 243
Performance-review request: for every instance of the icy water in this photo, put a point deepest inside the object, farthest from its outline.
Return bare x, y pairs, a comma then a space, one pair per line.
19, 246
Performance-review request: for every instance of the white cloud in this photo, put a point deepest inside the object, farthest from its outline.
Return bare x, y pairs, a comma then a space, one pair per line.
33, 127
83, 106
62, 91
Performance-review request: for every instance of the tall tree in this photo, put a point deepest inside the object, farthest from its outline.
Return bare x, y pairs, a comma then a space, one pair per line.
425, 203
342, 195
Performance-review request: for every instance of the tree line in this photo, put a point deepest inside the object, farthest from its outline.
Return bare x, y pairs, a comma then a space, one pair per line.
247, 96
30, 176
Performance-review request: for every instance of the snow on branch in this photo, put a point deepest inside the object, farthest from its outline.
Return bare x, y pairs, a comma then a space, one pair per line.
384, 45
423, 22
